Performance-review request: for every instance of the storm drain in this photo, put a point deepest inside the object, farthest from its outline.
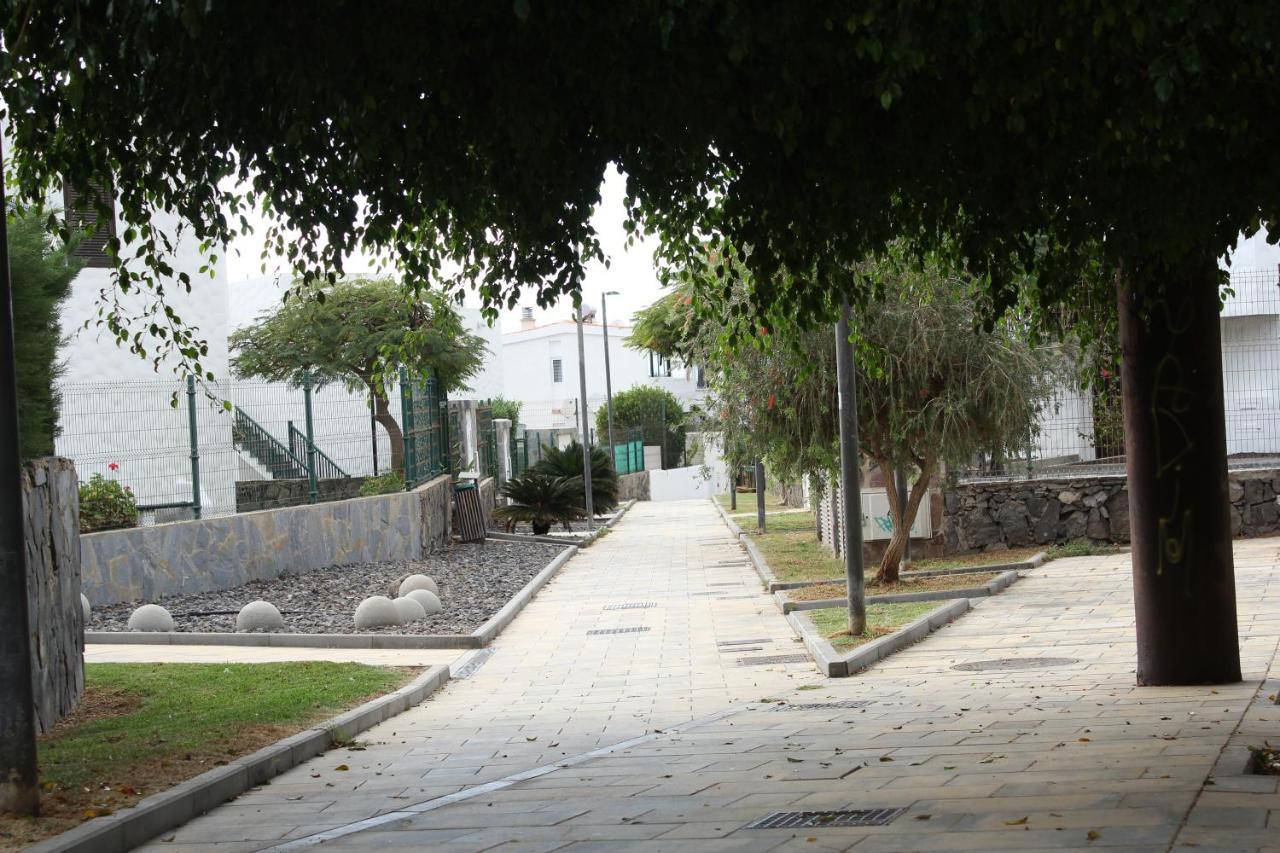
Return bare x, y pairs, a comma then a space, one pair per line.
726, 583
1006, 664
617, 631
820, 706
743, 642
765, 660
469, 668
813, 820
631, 605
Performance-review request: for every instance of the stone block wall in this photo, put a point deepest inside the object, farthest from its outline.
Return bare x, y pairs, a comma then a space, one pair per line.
633, 487
253, 495
51, 531
145, 563
1009, 514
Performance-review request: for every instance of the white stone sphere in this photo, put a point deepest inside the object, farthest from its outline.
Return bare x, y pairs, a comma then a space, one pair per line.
85, 608
150, 617
418, 582
429, 600
377, 611
259, 616
410, 610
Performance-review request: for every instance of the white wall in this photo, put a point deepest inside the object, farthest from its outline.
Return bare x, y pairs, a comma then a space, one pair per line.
680, 484
116, 405
528, 374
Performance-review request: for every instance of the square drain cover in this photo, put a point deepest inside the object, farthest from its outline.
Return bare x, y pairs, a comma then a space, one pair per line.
768, 659
631, 605
814, 820
820, 706
617, 631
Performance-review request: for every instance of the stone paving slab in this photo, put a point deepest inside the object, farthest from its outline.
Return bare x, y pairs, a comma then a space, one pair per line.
1069, 756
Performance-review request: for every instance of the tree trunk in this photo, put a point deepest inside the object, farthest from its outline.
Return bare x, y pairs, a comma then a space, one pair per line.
1175, 448
903, 518
382, 414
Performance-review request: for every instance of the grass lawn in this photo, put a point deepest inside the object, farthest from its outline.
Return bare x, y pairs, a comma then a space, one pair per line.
141, 728
747, 502
934, 584
833, 622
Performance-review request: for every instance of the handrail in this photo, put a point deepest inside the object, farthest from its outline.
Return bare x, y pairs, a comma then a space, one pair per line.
326, 468
264, 447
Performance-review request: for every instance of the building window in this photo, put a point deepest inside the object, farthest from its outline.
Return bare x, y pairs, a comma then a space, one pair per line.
82, 214
557, 370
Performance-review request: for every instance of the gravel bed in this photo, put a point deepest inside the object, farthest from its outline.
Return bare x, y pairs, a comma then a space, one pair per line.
475, 582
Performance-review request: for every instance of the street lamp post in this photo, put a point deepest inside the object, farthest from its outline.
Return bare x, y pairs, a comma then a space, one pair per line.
608, 380
586, 427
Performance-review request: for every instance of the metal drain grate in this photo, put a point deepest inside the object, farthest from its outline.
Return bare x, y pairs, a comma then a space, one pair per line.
744, 642
1006, 664
814, 820
477, 660
726, 583
736, 597
820, 706
737, 650
617, 631
631, 605
765, 660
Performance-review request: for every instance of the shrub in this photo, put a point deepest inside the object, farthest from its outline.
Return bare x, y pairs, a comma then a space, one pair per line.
655, 412
501, 407
383, 484
106, 505
568, 463
541, 500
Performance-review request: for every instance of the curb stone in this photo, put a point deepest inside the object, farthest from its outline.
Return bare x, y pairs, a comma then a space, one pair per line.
477, 639
175, 806
834, 664
991, 587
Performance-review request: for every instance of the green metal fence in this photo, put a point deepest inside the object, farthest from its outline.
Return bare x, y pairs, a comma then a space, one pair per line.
486, 442
425, 420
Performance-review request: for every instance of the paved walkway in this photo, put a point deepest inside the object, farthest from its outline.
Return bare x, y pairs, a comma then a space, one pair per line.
660, 740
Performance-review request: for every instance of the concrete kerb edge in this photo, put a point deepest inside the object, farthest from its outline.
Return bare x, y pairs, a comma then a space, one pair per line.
1033, 562
997, 584
836, 665
478, 638
173, 807
486, 633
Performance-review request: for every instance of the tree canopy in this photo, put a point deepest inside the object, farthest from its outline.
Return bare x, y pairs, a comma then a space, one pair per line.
933, 385
815, 134
41, 273
655, 412
359, 333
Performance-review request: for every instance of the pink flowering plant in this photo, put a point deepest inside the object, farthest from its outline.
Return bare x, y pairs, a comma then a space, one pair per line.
106, 504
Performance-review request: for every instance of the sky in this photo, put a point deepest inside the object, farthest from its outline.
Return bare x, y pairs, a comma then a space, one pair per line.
631, 271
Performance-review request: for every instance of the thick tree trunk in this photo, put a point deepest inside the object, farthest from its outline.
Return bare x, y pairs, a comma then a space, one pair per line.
1175, 446
382, 414
903, 518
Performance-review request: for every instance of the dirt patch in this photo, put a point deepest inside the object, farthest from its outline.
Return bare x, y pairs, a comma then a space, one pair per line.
933, 584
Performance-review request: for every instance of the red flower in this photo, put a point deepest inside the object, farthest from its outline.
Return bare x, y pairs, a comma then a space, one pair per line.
773, 401
112, 466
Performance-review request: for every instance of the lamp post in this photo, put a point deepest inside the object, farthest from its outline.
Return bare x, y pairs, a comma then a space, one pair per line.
608, 381
586, 427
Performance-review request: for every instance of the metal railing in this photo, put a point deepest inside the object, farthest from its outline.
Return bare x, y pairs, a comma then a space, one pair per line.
326, 468
279, 460
425, 422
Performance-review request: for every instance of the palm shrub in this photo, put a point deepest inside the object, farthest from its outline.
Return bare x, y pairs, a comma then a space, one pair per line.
541, 500
567, 462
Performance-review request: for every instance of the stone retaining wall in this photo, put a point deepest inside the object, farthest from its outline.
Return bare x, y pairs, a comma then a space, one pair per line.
51, 527
1010, 514
253, 495
633, 487
145, 563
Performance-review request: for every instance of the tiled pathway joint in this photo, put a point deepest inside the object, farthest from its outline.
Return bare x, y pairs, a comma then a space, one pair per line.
1073, 756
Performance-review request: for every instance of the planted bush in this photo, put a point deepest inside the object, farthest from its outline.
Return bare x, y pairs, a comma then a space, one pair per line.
383, 484
106, 505
567, 462
541, 500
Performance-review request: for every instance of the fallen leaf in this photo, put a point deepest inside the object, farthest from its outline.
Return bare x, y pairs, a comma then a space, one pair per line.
1093, 835
885, 758
789, 758
923, 816
342, 767
1019, 822
1084, 740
